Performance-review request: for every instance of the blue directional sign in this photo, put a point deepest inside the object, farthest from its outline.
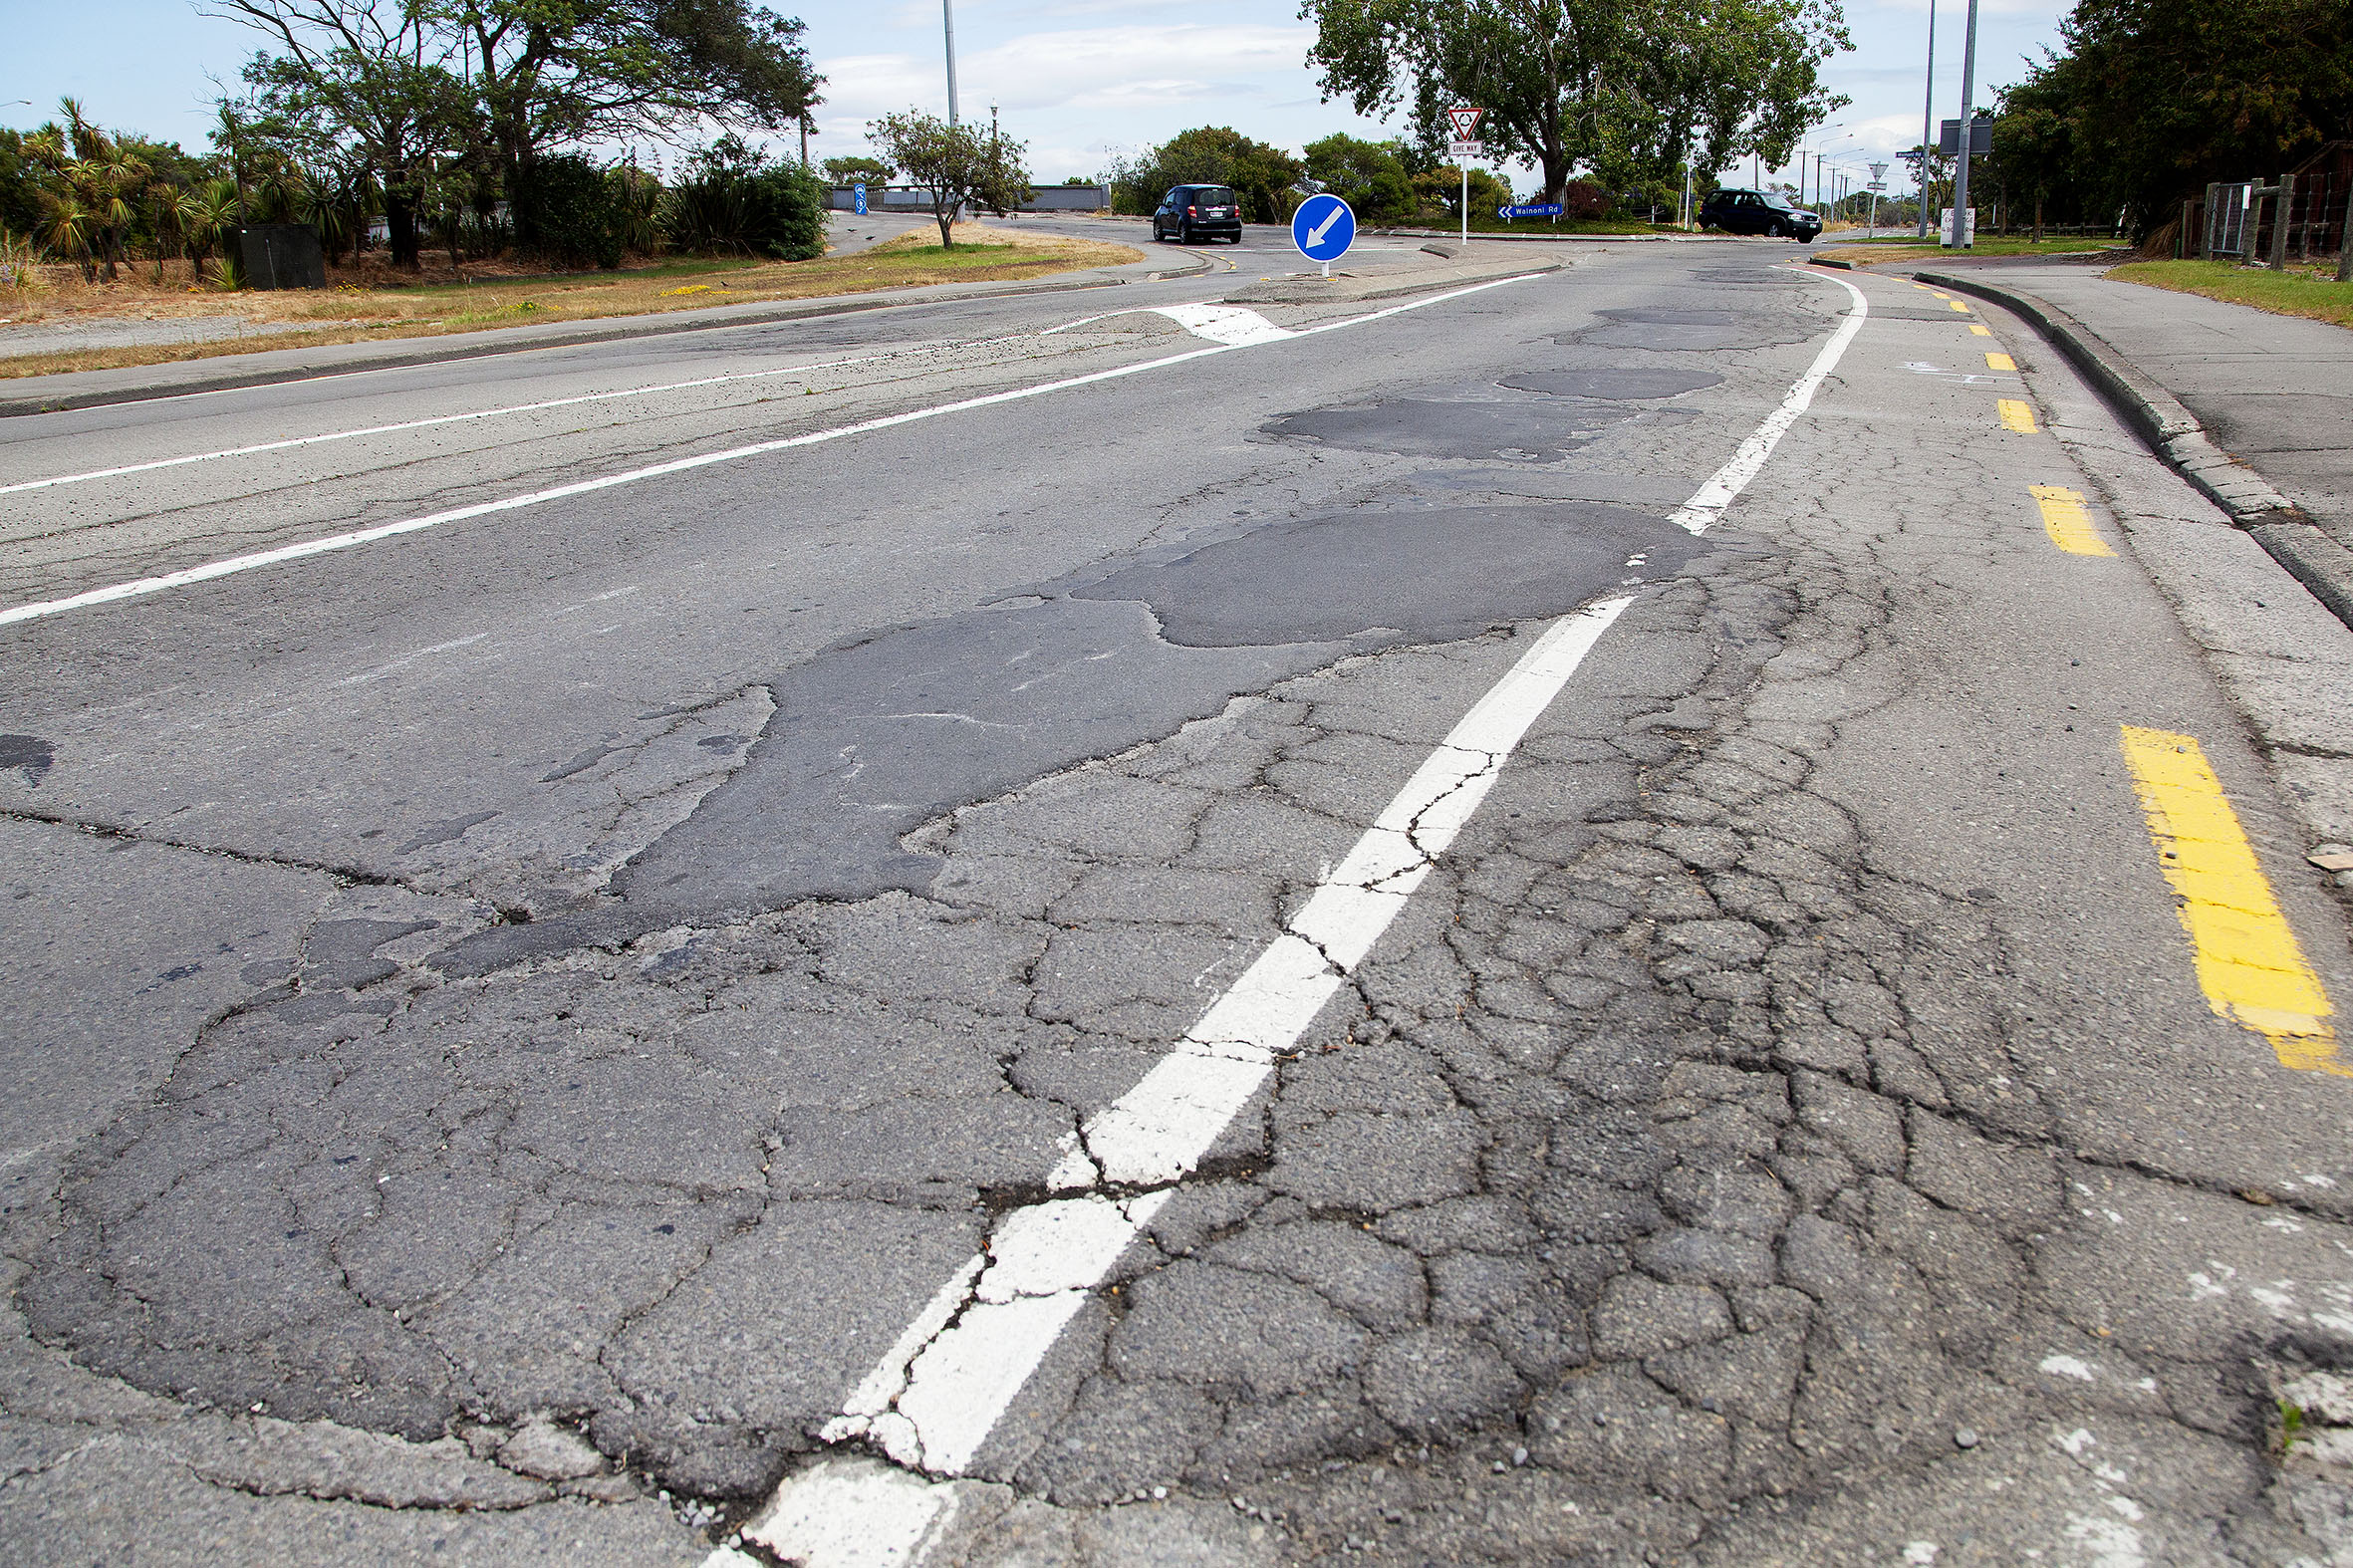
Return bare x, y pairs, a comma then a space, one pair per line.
1323, 229
858, 198
1547, 210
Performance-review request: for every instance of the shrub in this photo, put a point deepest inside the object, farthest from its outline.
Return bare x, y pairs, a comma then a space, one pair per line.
565, 208
733, 199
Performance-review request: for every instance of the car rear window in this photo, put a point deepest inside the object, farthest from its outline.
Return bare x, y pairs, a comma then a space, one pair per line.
1212, 196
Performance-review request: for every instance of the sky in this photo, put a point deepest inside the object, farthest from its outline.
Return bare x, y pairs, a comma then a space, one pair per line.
1082, 81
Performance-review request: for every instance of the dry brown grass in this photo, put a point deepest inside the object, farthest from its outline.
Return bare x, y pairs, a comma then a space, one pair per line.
377, 302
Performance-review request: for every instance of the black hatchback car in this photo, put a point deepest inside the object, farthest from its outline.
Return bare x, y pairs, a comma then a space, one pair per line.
1192, 212
1759, 212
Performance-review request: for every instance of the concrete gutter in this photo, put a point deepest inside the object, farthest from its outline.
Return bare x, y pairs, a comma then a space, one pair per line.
272, 367
2282, 528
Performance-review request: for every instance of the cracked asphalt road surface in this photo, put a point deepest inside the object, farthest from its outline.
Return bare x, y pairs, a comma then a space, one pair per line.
511, 1025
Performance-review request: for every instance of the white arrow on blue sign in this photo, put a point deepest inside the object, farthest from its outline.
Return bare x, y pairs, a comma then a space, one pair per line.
1323, 229
858, 198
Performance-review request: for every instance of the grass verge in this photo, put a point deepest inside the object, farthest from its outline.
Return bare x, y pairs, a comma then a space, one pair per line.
2296, 292
352, 314
1879, 252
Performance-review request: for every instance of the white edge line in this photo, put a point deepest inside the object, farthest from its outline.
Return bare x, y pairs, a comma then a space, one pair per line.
41, 609
293, 442
1709, 502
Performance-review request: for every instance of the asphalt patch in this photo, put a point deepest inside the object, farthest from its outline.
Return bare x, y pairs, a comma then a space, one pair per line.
28, 754
1423, 576
1514, 431
1622, 384
873, 739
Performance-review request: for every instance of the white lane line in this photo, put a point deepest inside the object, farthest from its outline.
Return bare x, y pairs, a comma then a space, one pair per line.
931, 1403
1709, 502
361, 536
1223, 323
932, 1410
291, 442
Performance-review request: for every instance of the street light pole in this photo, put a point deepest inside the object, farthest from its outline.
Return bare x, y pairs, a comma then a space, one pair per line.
947, 18
1928, 114
1968, 122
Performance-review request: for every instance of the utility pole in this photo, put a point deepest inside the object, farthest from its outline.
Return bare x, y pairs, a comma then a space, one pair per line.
1928, 112
1968, 126
947, 18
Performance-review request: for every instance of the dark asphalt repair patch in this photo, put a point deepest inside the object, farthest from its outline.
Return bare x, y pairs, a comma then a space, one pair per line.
872, 740
1517, 431
1618, 384
1682, 330
29, 754
1432, 576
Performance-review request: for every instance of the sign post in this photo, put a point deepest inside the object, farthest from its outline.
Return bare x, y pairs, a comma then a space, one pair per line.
1464, 149
1323, 229
1879, 183
858, 198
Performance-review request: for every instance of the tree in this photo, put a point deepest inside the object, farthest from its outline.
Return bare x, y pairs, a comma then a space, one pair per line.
2154, 99
551, 72
854, 170
1261, 176
1627, 88
372, 74
1371, 176
1442, 187
956, 165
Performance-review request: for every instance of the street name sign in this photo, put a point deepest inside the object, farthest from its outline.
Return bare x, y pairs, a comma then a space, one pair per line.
1548, 209
1323, 229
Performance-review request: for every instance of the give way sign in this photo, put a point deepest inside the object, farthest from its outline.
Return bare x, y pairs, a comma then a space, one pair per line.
1465, 122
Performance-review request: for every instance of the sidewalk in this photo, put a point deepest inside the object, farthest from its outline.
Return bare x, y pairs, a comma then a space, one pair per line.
2273, 395
2274, 392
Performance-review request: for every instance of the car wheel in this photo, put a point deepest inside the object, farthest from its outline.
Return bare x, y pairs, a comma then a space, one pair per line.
1779, 230
1185, 235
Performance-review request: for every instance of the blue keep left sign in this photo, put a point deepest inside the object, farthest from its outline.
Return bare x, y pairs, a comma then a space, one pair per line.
1323, 229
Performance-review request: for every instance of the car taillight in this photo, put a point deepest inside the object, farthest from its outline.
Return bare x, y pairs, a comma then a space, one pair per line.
1192, 212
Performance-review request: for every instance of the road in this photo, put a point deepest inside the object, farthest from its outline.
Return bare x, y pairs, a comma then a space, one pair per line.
1638, 914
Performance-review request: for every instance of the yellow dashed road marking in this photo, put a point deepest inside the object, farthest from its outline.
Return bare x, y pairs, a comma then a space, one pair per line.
2017, 415
1980, 330
2248, 962
1956, 305
2065, 519
1999, 361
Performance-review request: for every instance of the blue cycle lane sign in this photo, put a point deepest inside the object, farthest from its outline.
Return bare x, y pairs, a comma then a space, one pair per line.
858, 198
1323, 229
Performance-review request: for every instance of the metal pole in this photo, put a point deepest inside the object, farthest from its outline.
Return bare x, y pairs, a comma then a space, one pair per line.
1466, 203
947, 18
1968, 124
1686, 195
1928, 123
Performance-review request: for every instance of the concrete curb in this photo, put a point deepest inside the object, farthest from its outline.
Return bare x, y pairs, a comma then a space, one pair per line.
2291, 538
240, 371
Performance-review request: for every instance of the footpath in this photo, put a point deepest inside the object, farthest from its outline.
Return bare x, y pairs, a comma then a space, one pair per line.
2254, 408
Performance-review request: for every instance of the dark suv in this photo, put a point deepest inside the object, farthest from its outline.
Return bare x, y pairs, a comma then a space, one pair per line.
1192, 212
1759, 212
